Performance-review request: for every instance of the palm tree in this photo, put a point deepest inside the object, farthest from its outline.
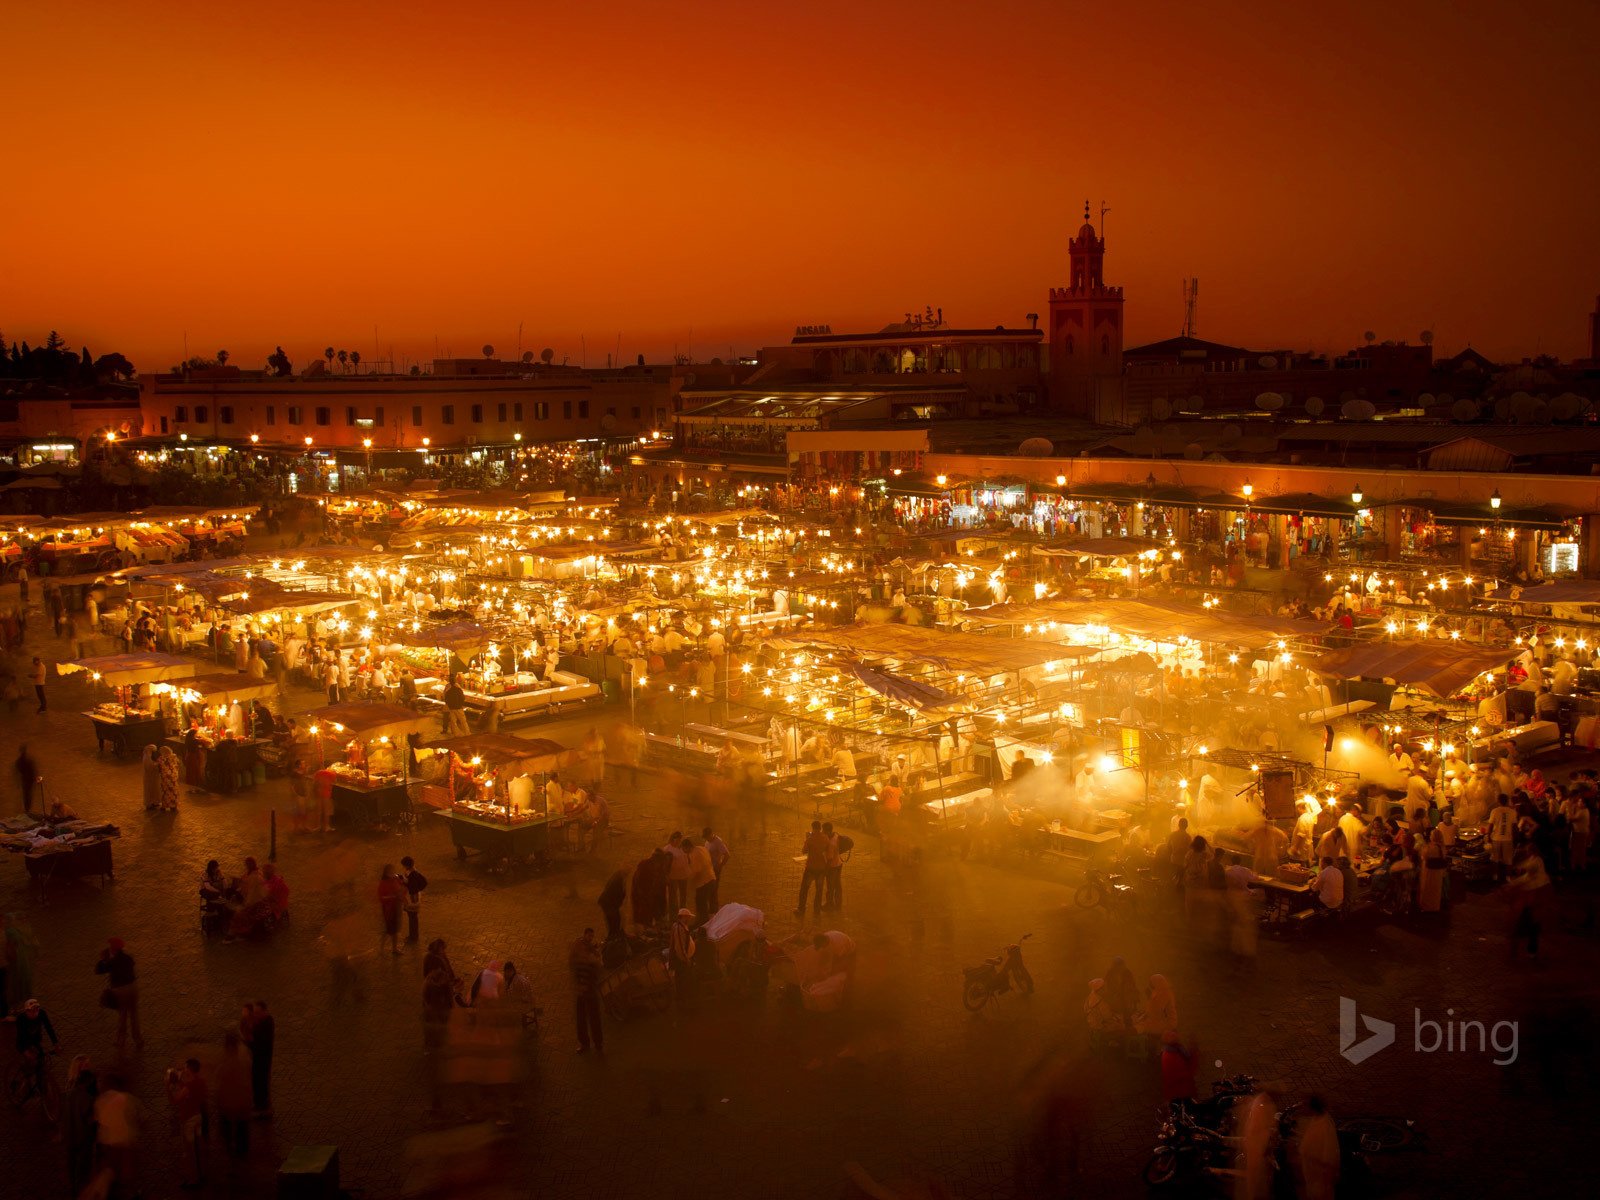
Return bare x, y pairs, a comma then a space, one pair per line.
222, 358
328, 354
344, 357
355, 359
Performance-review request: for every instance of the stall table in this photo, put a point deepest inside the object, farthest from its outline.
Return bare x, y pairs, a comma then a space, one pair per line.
128, 735
359, 806
513, 841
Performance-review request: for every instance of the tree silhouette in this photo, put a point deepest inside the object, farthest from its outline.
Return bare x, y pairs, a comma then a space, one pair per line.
279, 362
222, 358
113, 366
55, 341
344, 357
328, 354
355, 358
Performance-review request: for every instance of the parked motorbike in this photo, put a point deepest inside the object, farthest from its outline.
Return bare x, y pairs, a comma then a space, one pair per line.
996, 975
1188, 1153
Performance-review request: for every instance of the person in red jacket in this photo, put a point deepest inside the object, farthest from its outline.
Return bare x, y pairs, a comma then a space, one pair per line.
391, 889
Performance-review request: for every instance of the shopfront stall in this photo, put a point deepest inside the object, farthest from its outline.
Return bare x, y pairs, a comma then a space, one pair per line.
133, 716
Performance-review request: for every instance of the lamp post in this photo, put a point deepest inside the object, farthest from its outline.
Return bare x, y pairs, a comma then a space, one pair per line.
367, 445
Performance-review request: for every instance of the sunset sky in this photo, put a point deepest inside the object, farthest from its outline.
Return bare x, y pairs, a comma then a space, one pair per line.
300, 173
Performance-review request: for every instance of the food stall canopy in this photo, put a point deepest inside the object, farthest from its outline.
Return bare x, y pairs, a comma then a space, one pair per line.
1439, 669
1106, 547
497, 750
465, 639
226, 688
284, 600
1562, 591
1162, 620
120, 670
917, 643
370, 721
1304, 504
897, 687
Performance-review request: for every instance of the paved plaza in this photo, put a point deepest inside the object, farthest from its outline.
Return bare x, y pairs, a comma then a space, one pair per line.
759, 1099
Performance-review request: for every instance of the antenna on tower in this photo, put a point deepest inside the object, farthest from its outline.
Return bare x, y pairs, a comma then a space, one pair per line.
1103, 211
1191, 301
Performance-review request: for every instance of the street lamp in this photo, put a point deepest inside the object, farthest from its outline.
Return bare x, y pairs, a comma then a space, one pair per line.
941, 480
255, 439
516, 437
1355, 495
308, 441
1061, 481
111, 437
1247, 491
1494, 500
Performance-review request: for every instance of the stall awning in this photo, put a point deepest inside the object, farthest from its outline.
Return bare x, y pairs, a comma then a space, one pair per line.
1162, 620
1106, 547
918, 644
120, 670
226, 688
465, 639
1441, 670
372, 721
909, 692
500, 750
1562, 591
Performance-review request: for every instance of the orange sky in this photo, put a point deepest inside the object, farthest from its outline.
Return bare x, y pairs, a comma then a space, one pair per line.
301, 172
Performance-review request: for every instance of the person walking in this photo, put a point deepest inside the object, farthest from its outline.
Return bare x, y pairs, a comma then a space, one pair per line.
27, 777
583, 960
232, 1086
815, 874
391, 891
702, 879
78, 1123
116, 1116
36, 676
122, 990
838, 846
720, 854
682, 950
261, 1034
612, 897
188, 1095
1502, 829
415, 882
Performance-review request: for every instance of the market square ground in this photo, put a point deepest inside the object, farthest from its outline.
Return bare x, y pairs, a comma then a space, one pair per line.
908, 1084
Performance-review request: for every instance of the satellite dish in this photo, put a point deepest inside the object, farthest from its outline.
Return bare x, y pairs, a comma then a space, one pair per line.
1231, 433
1191, 406
608, 423
1269, 401
546, 355
527, 356
1370, 337
1194, 451
1358, 410
1427, 337
1426, 400
1161, 408
1036, 447
1463, 410
488, 351
1314, 406
1268, 362
1567, 407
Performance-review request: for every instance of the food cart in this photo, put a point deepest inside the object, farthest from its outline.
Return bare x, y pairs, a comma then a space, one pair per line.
61, 849
128, 723
221, 705
358, 795
490, 788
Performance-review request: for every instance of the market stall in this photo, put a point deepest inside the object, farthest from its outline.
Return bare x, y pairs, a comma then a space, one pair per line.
491, 790
133, 718
61, 849
370, 786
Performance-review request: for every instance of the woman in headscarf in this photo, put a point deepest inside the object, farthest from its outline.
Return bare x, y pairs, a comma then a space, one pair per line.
1535, 786
1122, 992
1435, 874
1160, 1012
1098, 1012
167, 766
152, 778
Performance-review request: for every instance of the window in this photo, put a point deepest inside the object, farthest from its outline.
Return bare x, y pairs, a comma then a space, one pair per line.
377, 415
225, 414
163, 424
477, 414
296, 414
516, 411
661, 415
349, 416
416, 415
541, 410
202, 414
583, 408
272, 414
566, 410
447, 414
637, 412
324, 416
1105, 345
502, 414
180, 415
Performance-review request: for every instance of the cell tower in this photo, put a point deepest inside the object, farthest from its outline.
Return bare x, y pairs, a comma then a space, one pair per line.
1191, 300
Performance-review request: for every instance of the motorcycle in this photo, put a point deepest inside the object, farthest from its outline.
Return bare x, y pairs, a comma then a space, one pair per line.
996, 975
1215, 1112
1187, 1151
1107, 890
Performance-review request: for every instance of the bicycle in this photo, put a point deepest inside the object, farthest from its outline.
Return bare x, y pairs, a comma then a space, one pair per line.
32, 1078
